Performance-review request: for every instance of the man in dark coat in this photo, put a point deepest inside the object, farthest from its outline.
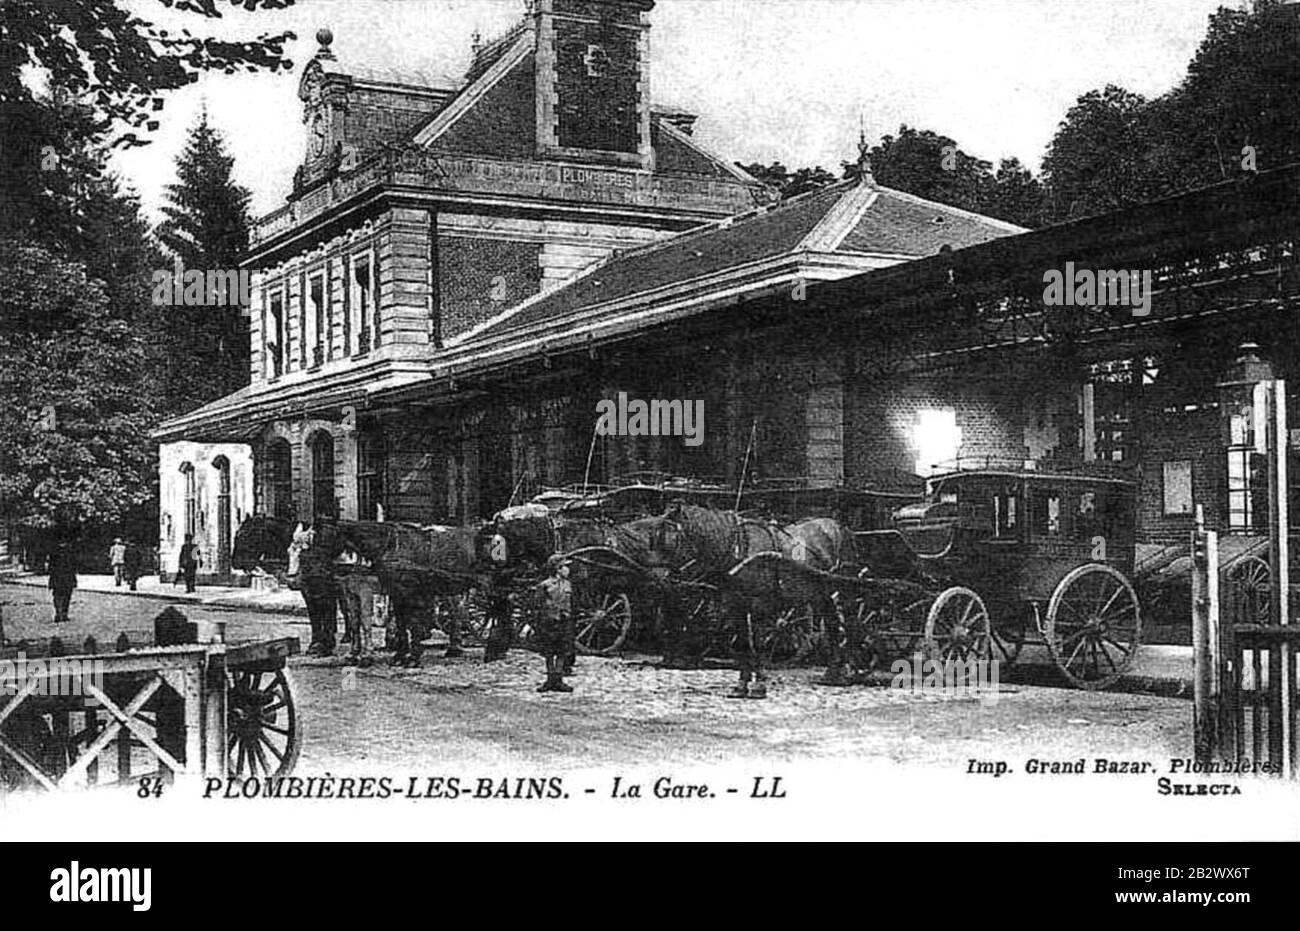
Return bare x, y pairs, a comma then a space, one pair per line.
320, 592
189, 562
555, 625
63, 578
133, 567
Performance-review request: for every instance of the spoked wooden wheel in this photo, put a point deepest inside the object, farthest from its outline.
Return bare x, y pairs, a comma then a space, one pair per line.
1094, 626
793, 636
1252, 588
957, 628
262, 731
603, 627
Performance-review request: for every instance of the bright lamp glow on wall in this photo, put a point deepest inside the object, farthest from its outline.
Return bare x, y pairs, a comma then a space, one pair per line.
937, 439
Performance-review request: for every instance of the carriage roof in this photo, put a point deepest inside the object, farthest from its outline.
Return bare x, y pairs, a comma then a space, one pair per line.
789, 497
1108, 477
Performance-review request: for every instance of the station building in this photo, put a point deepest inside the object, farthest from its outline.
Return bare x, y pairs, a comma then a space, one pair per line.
427, 215
466, 270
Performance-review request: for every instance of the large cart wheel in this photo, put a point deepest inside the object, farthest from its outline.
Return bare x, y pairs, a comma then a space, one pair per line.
604, 626
1251, 582
792, 637
262, 732
1094, 626
957, 627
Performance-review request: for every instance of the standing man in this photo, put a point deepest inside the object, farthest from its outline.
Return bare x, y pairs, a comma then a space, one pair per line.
63, 578
320, 592
189, 562
133, 567
117, 559
555, 630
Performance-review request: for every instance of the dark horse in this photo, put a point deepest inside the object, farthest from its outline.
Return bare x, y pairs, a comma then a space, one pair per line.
606, 558
418, 567
719, 547
262, 543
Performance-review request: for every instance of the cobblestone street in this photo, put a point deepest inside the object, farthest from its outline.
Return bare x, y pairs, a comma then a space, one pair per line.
628, 712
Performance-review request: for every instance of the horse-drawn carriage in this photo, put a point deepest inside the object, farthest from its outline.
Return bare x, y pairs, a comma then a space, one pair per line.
992, 562
622, 595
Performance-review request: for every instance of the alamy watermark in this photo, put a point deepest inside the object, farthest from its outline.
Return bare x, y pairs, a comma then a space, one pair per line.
1086, 287
970, 678
56, 677
181, 287
651, 418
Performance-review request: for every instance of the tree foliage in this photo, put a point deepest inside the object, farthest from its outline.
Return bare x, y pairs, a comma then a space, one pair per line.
790, 183
80, 373
1240, 97
76, 417
207, 228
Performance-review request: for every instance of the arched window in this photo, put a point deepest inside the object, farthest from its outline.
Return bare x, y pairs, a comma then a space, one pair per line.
224, 540
191, 494
280, 480
324, 503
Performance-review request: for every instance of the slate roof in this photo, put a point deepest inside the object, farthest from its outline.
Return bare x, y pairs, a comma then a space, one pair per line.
846, 219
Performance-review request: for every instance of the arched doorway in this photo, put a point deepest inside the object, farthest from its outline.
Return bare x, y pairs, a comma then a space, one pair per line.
224, 541
324, 502
279, 455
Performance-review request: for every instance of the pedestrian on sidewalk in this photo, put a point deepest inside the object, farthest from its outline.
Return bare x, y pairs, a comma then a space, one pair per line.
556, 631
133, 565
117, 559
189, 562
63, 578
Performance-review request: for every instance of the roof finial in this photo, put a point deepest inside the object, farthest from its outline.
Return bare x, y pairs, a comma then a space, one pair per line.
864, 154
325, 38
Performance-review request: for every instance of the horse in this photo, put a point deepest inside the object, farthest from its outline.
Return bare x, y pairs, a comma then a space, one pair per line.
714, 544
262, 543
604, 556
418, 567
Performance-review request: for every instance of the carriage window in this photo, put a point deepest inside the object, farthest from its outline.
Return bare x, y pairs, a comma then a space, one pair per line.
1005, 515
1086, 520
1047, 516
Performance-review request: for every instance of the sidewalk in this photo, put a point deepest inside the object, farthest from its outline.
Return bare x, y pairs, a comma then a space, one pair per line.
285, 601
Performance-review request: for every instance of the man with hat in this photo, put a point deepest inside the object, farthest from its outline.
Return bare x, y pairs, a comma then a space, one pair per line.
556, 631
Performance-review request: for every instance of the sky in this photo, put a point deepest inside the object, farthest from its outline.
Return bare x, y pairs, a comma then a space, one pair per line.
771, 79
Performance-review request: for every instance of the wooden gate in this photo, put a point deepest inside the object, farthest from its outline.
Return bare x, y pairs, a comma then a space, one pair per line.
1244, 646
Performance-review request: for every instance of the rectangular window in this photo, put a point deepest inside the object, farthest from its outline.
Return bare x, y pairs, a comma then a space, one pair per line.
363, 302
370, 476
937, 440
274, 335
1240, 506
1178, 488
319, 321
1113, 392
